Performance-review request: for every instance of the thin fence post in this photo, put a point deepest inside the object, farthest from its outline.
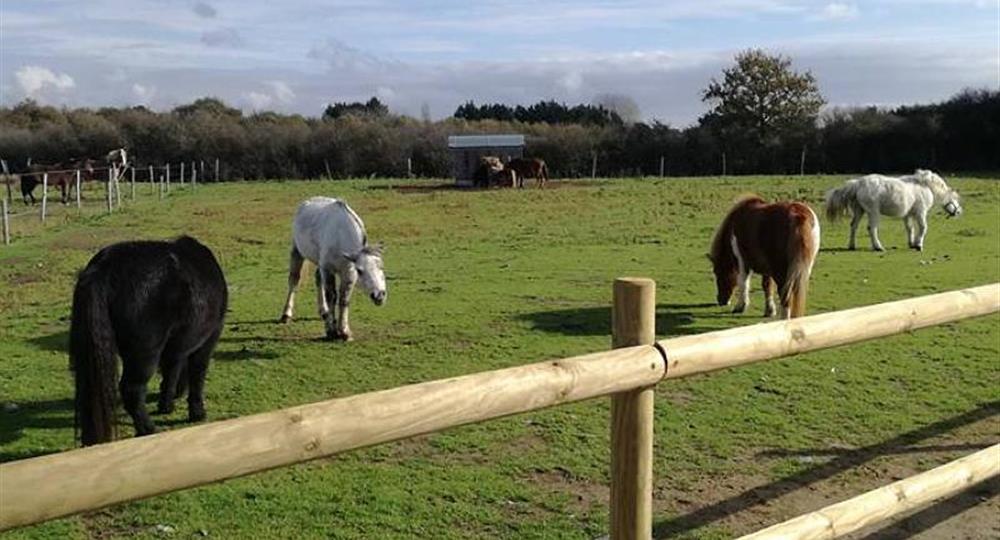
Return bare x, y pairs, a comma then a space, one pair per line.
802, 162
118, 190
168, 178
182, 173
409, 167
107, 191
326, 165
194, 177
6, 224
633, 320
152, 181
593, 166
78, 189
216, 169
194, 170
201, 169
662, 163
132, 180
8, 179
723, 164
45, 194
162, 187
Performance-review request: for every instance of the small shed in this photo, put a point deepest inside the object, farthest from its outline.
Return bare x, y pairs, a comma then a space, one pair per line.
467, 149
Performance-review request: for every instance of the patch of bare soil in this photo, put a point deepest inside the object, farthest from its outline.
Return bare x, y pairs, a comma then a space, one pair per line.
747, 503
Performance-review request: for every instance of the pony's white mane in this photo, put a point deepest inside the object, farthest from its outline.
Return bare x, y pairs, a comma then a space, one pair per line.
930, 180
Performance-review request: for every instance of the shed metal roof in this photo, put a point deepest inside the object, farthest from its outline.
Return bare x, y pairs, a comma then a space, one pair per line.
473, 141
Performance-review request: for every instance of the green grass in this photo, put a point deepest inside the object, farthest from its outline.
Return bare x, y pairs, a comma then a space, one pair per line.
483, 280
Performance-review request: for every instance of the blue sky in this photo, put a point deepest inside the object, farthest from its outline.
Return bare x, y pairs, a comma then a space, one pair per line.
297, 55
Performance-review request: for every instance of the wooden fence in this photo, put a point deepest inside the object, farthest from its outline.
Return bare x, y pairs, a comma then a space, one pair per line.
47, 487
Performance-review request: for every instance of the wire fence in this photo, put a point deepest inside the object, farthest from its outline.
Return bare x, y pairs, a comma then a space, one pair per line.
87, 192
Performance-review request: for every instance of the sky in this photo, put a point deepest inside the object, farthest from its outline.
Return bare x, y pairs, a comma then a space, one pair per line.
299, 55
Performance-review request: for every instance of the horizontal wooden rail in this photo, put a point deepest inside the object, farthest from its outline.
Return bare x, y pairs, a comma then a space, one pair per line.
881, 504
701, 353
58, 485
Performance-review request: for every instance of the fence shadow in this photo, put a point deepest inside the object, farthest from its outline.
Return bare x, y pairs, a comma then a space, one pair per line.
57, 341
939, 512
45, 414
671, 320
848, 459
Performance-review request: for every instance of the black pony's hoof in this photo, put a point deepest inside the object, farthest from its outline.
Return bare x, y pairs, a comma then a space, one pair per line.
196, 414
165, 409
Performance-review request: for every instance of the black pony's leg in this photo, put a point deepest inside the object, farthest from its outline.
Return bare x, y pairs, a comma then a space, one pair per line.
182, 383
171, 367
136, 372
197, 368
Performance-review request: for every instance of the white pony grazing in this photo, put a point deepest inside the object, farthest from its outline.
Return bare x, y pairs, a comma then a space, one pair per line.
909, 197
330, 235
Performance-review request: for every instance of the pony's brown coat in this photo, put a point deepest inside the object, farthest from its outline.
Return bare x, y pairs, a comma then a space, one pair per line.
774, 240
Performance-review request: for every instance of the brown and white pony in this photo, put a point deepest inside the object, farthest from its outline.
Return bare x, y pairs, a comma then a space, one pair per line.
778, 241
529, 168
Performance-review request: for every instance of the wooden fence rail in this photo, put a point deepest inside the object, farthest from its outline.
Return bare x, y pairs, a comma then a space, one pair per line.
47, 487
883, 503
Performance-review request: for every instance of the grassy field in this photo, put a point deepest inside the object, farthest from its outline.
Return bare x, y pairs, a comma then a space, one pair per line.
480, 280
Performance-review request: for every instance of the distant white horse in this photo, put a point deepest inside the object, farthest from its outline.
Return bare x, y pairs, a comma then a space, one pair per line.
117, 158
909, 197
330, 235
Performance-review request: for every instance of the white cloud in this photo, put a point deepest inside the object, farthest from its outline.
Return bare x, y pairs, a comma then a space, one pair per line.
35, 79
258, 101
282, 92
143, 93
571, 82
838, 11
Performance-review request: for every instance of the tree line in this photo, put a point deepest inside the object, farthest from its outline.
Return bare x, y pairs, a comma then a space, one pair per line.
764, 118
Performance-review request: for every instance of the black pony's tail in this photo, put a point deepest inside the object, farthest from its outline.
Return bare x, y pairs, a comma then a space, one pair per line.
92, 356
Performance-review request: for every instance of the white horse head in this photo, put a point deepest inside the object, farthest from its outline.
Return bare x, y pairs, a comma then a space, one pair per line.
368, 264
951, 203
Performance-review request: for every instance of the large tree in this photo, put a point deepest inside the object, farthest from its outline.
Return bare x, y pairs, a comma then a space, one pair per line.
762, 100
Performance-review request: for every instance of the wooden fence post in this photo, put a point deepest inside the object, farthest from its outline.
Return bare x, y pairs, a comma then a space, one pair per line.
78, 189
168, 178
663, 162
633, 320
107, 191
182, 173
162, 187
6, 224
723, 164
9, 180
802, 162
45, 194
152, 181
194, 176
201, 169
216, 169
194, 170
593, 166
132, 180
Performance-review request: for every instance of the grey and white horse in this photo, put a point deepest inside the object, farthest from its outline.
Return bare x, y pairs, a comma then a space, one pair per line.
330, 235
910, 197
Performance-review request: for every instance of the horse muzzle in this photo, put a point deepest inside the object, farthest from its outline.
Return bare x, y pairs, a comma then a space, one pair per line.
378, 297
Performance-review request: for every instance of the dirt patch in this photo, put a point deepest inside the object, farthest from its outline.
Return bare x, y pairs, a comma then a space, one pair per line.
584, 496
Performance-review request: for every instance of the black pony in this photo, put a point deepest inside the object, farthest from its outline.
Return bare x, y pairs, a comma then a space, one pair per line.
152, 303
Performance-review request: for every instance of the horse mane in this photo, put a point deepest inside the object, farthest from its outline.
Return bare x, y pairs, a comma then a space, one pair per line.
357, 220
720, 242
929, 180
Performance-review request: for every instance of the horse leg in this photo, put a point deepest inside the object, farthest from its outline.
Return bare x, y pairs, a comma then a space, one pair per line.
873, 218
172, 365
742, 291
136, 372
323, 277
197, 368
921, 232
295, 261
909, 230
343, 305
856, 214
767, 283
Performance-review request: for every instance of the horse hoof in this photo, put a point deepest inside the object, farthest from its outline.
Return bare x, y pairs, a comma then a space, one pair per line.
739, 309
165, 409
285, 319
196, 415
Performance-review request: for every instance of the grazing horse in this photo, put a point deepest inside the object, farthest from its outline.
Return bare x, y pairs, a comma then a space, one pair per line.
505, 178
330, 235
117, 158
529, 168
910, 197
488, 167
778, 241
154, 304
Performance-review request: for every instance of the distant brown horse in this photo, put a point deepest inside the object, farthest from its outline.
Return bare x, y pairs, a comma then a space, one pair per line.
485, 171
61, 175
778, 241
529, 168
504, 178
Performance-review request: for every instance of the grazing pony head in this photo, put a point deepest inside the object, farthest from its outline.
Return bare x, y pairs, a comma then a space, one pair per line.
952, 204
368, 264
724, 263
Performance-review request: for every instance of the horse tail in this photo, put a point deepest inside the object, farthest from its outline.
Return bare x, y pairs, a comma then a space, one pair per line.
803, 244
839, 200
92, 357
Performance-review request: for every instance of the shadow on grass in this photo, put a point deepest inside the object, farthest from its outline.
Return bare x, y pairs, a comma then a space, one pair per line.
843, 461
58, 342
671, 320
939, 512
45, 414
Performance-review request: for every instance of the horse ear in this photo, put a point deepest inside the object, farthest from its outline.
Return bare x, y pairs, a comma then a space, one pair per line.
348, 256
